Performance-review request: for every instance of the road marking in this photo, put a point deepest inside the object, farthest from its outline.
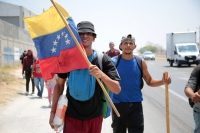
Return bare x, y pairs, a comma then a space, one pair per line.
174, 68
183, 79
176, 94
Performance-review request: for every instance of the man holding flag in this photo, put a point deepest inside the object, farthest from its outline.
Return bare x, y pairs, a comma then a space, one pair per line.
67, 51
86, 116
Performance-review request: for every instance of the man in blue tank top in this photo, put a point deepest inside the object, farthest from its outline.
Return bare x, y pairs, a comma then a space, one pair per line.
129, 101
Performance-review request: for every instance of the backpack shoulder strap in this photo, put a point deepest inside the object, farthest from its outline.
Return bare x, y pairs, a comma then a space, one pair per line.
139, 62
118, 59
100, 56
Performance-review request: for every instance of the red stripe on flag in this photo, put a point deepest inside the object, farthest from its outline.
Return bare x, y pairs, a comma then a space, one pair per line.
68, 60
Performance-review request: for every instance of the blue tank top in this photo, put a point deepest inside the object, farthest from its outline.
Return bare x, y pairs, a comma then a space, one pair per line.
130, 76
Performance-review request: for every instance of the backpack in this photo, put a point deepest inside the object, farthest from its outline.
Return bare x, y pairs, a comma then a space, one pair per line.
82, 87
139, 62
106, 107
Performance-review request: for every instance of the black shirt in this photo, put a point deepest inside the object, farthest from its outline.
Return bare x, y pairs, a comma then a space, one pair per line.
91, 108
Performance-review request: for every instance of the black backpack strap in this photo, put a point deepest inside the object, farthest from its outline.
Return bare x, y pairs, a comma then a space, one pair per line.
139, 62
118, 59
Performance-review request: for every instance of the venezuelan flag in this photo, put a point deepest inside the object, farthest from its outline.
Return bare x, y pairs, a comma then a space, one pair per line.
56, 49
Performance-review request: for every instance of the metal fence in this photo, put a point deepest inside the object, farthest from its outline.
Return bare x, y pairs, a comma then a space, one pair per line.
13, 41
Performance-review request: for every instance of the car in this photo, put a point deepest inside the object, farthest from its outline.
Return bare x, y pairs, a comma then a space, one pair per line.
148, 55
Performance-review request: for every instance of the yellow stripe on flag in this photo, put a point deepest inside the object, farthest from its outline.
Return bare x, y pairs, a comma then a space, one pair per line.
47, 22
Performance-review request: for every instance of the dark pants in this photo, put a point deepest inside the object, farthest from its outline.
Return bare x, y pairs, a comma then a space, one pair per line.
28, 77
131, 118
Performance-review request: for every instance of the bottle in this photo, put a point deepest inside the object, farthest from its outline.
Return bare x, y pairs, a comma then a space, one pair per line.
59, 118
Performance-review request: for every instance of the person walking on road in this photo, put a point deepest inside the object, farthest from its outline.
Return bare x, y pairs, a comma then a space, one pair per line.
129, 101
192, 91
112, 52
27, 68
85, 116
37, 76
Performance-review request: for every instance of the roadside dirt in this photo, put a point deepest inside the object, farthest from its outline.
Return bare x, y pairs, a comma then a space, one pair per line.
11, 84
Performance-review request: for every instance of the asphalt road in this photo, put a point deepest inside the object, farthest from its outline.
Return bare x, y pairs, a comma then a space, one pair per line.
29, 114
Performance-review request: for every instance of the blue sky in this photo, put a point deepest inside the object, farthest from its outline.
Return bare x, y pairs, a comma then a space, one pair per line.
146, 20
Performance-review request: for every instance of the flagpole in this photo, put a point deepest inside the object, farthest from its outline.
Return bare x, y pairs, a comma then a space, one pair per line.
167, 104
85, 57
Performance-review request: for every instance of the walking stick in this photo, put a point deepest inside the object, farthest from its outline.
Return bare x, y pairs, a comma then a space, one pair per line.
85, 57
167, 104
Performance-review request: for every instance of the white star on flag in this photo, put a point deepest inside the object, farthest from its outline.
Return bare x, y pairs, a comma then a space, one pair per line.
55, 43
67, 41
58, 37
66, 36
53, 50
62, 33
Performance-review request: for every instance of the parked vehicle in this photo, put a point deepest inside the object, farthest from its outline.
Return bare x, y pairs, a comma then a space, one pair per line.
148, 55
182, 48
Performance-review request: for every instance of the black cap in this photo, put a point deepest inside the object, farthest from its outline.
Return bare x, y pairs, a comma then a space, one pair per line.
86, 26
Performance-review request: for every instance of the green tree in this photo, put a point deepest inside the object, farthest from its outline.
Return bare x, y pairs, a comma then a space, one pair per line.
155, 48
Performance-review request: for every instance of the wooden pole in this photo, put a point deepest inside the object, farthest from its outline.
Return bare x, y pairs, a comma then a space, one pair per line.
85, 57
167, 104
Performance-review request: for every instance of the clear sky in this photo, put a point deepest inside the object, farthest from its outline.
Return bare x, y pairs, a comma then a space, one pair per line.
146, 20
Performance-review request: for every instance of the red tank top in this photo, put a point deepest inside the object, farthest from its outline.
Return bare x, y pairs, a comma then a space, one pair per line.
37, 71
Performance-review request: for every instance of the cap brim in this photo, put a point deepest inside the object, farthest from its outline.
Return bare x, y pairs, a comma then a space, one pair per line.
86, 30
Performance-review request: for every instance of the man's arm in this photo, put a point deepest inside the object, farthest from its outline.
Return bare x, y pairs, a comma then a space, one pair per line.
113, 85
192, 85
58, 91
194, 96
151, 81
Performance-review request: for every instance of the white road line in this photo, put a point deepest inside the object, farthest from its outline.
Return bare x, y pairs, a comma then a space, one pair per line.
183, 79
174, 68
176, 94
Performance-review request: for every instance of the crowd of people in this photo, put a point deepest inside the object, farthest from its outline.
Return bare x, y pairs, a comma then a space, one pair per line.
124, 75
123, 80
31, 72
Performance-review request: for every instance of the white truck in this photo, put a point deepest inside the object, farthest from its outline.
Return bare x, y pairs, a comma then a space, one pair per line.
182, 48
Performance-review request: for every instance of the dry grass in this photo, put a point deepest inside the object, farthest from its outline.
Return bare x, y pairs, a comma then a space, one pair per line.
10, 83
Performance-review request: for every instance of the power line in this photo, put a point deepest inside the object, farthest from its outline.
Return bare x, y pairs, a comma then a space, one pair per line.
28, 7
33, 5
24, 4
